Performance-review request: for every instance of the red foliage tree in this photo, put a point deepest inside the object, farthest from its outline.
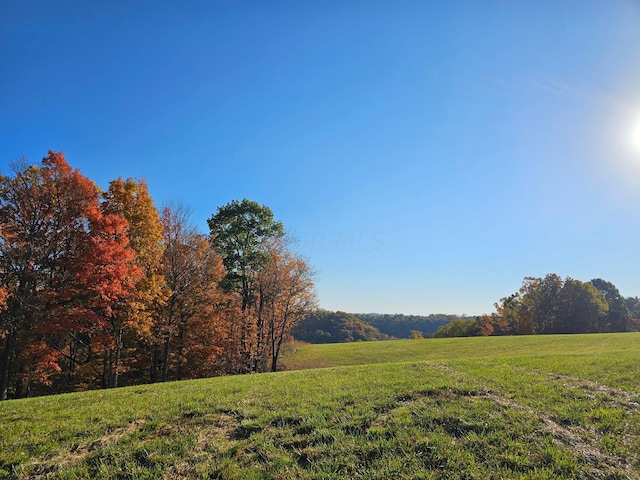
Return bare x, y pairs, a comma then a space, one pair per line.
63, 265
132, 319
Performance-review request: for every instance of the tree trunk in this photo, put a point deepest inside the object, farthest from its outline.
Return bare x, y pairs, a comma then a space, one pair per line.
105, 368
5, 363
275, 348
181, 328
165, 357
257, 361
274, 359
277, 340
245, 344
153, 373
19, 386
114, 383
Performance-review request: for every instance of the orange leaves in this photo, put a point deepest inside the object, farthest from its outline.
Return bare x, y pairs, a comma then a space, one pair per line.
40, 361
107, 269
3, 298
288, 295
187, 323
93, 280
64, 264
130, 201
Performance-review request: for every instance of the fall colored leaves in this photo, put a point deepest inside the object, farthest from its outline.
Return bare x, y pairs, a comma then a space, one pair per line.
100, 289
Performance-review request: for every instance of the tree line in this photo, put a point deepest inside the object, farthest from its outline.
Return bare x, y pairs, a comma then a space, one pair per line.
100, 288
337, 327
406, 326
553, 305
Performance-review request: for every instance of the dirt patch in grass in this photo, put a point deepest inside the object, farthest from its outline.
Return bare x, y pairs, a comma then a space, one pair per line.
79, 452
573, 437
581, 441
617, 397
215, 434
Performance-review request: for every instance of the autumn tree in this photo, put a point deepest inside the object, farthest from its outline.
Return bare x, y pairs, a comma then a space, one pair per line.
199, 313
63, 266
106, 278
287, 296
539, 302
187, 321
238, 232
131, 200
486, 325
508, 314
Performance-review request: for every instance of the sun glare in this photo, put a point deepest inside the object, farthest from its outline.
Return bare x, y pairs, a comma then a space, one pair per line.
635, 136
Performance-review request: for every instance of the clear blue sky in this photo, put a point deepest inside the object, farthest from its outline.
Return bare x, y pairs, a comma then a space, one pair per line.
427, 155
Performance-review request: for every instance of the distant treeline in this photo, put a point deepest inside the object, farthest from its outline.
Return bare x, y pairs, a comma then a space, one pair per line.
552, 305
335, 327
338, 327
402, 326
541, 306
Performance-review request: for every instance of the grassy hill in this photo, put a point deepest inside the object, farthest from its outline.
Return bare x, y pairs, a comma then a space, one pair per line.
487, 408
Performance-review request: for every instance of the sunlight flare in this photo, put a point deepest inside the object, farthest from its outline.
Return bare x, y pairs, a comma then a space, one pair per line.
634, 136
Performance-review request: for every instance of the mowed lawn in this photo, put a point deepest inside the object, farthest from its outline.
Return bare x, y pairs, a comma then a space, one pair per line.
476, 408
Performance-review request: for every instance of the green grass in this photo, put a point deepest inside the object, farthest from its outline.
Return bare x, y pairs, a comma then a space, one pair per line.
444, 349
478, 408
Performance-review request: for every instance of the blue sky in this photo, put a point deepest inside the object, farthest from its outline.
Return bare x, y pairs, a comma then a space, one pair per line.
427, 155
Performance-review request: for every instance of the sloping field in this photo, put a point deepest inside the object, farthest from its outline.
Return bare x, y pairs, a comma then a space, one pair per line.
478, 408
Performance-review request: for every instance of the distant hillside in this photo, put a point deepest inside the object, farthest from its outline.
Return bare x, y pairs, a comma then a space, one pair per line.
335, 327
400, 326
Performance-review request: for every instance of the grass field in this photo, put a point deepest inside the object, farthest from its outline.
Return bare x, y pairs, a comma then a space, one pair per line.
541, 407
